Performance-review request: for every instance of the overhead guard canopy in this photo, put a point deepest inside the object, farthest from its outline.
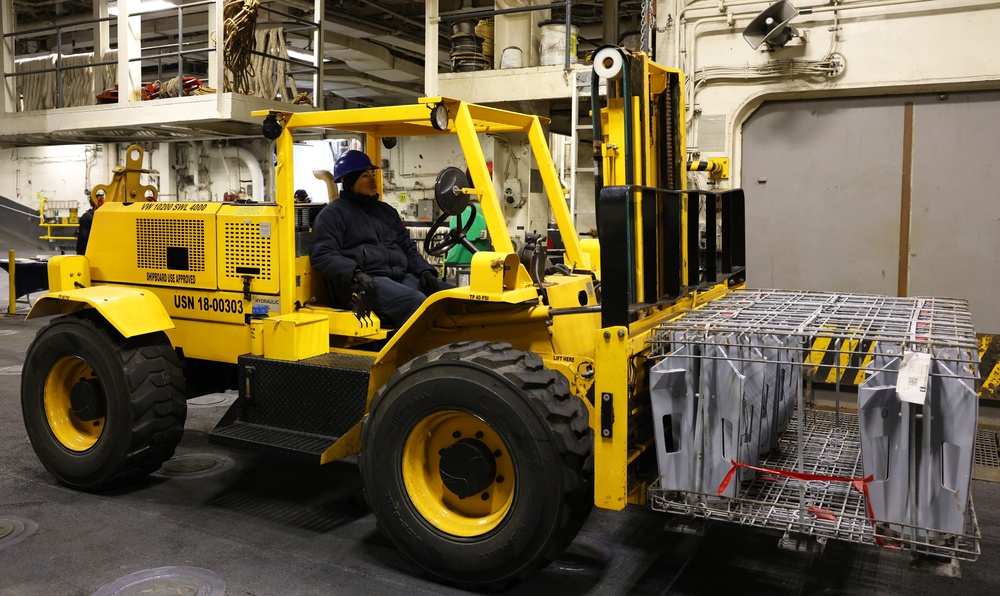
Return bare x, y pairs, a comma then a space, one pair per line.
408, 120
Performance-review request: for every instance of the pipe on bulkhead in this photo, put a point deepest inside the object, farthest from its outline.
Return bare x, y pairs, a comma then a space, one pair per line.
256, 174
331, 187
194, 168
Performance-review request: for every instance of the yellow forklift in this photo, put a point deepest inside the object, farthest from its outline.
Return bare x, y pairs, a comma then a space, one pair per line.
487, 425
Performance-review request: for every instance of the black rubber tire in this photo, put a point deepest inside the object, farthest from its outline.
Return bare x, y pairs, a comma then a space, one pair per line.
546, 430
143, 394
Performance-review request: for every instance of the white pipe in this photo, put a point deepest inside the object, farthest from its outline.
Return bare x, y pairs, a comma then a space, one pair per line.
371, 84
431, 21
574, 141
193, 167
686, 41
689, 48
256, 174
683, 18
722, 7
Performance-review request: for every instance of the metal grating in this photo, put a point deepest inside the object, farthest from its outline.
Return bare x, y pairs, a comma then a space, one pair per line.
154, 236
847, 324
247, 247
834, 510
987, 451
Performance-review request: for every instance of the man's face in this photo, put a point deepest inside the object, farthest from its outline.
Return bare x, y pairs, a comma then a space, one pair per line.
365, 184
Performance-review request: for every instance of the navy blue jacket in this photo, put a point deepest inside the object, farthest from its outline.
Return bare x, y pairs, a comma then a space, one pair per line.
83, 231
360, 233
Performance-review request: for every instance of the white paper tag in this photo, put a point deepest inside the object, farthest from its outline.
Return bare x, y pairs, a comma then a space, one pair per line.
911, 385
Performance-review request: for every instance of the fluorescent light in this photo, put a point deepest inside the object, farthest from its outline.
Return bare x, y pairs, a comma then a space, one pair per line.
144, 6
299, 55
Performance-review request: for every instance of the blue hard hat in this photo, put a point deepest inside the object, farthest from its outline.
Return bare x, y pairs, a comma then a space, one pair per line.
351, 162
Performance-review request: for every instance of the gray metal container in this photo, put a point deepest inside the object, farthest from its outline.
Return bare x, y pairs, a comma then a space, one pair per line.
674, 399
726, 416
920, 456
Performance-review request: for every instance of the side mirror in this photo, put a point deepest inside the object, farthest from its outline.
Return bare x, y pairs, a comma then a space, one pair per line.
448, 191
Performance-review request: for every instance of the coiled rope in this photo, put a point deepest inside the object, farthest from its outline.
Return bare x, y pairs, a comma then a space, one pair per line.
37, 89
240, 21
271, 75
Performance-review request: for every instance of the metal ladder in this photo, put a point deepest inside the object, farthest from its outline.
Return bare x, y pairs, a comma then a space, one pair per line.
580, 90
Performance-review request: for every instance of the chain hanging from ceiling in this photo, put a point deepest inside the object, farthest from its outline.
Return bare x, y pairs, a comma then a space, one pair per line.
647, 25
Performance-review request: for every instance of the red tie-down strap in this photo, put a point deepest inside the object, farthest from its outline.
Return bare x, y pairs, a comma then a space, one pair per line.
859, 484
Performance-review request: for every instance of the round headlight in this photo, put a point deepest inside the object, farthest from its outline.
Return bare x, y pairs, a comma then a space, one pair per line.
439, 117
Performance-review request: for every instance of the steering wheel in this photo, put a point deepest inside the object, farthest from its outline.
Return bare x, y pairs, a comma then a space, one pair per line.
452, 201
452, 237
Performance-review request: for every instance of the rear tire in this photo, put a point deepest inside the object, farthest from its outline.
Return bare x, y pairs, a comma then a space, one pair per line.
477, 462
101, 409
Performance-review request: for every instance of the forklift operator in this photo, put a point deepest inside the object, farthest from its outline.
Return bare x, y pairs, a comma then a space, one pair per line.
361, 245
86, 222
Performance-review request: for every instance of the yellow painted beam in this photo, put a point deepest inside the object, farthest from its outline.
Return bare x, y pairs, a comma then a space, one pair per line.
553, 190
611, 444
492, 212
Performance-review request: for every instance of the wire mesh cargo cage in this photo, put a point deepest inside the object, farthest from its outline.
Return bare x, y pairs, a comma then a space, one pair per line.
735, 441
58, 220
59, 211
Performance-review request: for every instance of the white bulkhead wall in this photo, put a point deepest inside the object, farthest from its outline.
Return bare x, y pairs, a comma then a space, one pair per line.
888, 47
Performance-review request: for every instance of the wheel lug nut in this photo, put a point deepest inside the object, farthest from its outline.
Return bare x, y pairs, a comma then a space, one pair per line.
479, 434
456, 434
496, 453
499, 479
486, 496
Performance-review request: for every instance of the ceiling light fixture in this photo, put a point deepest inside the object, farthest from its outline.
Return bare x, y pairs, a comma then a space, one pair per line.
301, 55
144, 6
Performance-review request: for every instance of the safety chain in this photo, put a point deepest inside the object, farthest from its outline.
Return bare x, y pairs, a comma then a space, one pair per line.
646, 26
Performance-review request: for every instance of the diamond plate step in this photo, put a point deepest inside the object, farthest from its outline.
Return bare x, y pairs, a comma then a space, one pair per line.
275, 441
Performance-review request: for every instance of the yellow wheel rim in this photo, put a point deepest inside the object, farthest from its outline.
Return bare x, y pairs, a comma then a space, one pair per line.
74, 434
474, 515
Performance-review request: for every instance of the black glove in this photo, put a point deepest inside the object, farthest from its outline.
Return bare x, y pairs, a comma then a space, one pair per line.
364, 283
428, 282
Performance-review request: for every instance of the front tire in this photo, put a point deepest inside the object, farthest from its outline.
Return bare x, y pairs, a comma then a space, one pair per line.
100, 409
477, 462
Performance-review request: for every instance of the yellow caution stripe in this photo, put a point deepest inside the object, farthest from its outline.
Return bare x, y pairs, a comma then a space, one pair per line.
826, 364
989, 365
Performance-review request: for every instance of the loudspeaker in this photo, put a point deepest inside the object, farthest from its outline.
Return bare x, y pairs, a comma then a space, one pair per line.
771, 26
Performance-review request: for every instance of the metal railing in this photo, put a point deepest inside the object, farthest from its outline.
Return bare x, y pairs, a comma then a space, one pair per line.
304, 25
175, 52
59, 68
178, 53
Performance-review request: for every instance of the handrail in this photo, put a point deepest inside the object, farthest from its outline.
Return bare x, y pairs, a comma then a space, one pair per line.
161, 52
60, 28
70, 26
